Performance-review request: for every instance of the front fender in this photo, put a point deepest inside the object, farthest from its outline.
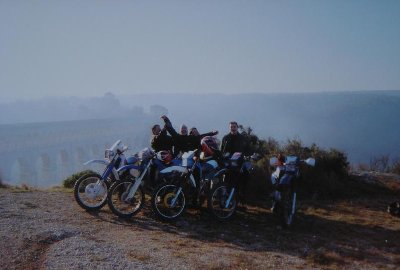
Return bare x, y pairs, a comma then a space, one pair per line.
174, 168
220, 172
100, 161
128, 167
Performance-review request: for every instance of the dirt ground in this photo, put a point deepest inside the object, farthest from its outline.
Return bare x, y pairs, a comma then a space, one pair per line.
48, 230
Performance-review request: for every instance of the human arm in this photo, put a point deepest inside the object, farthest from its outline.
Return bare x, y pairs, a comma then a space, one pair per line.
168, 126
212, 133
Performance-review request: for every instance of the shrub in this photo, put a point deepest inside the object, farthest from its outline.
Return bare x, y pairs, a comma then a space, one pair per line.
395, 166
69, 182
328, 179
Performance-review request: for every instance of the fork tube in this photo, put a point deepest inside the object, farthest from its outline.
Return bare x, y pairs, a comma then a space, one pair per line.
229, 198
294, 203
134, 187
176, 197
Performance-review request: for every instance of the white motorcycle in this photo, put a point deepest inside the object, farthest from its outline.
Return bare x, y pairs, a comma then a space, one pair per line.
90, 190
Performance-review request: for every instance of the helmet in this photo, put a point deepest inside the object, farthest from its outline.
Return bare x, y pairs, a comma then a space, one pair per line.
165, 156
209, 145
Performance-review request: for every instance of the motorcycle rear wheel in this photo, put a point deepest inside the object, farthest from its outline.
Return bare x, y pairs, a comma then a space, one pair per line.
217, 202
118, 203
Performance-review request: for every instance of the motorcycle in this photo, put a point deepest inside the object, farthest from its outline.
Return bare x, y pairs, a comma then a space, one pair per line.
90, 190
224, 197
285, 182
126, 197
169, 200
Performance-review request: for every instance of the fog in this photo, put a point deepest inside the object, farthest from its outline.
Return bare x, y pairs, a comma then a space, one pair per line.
57, 135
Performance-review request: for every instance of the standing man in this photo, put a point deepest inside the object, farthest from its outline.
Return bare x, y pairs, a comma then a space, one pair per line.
233, 141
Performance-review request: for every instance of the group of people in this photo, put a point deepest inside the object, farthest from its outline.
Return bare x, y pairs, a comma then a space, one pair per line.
168, 139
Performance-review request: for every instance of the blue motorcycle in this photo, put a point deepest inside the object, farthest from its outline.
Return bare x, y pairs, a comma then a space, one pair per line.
285, 180
192, 179
126, 197
224, 197
90, 190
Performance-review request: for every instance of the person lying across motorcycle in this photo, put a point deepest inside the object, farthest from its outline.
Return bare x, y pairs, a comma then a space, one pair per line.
185, 143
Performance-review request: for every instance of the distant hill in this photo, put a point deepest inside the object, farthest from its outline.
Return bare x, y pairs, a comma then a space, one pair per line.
363, 124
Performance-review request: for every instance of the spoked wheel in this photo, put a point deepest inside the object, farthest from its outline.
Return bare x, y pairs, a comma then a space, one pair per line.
119, 202
288, 208
90, 192
168, 201
222, 202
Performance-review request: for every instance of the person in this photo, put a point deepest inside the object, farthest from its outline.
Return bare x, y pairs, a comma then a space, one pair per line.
194, 131
185, 143
160, 139
233, 141
183, 130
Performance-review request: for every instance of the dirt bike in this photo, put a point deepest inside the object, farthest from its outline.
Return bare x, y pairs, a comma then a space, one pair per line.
192, 179
126, 196
224, 197
90, 190
285, 182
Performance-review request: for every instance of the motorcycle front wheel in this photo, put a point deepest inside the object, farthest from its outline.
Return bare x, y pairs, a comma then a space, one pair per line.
90, 192
118, 202
218, 203
167, 204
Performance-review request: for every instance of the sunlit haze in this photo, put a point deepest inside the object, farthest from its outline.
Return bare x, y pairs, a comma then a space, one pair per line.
88, 48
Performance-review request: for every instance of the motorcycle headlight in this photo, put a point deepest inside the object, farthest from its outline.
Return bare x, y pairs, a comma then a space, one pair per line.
134, 172
108, 154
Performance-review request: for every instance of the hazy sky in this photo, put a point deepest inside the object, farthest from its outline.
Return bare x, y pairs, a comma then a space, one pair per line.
87, 48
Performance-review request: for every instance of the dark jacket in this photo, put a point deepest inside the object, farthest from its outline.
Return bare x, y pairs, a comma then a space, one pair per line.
233, 143
184, 143
162, 141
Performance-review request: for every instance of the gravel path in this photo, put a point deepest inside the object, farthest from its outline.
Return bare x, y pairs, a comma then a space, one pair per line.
48, 230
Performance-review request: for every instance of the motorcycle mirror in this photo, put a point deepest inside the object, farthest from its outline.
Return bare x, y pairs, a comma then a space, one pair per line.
273, 161
310, 162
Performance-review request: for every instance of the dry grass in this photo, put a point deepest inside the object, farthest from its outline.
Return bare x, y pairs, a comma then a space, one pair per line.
138, 256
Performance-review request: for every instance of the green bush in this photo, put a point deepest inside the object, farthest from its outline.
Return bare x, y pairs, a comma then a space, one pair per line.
69, 182
396, 166
328, 179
